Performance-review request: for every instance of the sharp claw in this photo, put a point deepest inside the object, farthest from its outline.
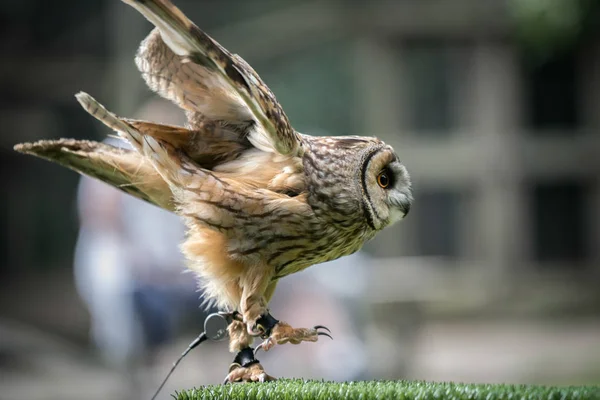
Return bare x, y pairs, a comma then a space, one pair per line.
324, 334
322, 327
226, 380
260, 346
253, 332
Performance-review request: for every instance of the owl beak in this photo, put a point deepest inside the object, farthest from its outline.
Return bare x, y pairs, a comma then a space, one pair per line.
401, 203
405, 208
405, 202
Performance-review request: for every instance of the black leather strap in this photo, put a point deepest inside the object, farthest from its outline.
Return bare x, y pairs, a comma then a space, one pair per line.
245, 357
267, 321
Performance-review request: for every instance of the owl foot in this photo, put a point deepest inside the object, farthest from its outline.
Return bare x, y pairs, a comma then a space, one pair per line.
246, 368
276, 332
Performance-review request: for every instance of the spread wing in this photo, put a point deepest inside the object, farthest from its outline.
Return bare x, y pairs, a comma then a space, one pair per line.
208, 145
124, 169
185, 65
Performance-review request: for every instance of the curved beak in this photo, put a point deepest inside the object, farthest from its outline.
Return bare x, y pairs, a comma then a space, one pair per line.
405, 207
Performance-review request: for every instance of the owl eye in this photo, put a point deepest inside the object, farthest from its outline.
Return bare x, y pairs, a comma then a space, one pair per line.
383, 179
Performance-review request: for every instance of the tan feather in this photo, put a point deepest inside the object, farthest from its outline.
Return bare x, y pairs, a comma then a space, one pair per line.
196, 72
209, 144
122, 168
98, 111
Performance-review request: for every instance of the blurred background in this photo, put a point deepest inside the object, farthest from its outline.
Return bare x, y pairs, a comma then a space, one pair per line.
493, 105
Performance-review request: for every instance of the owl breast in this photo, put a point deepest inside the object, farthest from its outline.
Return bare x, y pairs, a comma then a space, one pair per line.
328, 243
337, 225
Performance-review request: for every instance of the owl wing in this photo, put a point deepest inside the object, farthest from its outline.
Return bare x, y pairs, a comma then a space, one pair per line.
124, 169
185, 65
260, 224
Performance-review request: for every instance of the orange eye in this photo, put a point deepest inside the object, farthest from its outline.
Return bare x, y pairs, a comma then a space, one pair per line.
383, 179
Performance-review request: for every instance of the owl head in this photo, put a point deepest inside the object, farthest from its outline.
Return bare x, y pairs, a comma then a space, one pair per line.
385, 186
358, 177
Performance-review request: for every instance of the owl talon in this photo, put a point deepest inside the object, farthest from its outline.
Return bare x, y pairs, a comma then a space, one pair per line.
253, 373
322, 327
283, 333
255, 330
266, 345
246, 368
324, 334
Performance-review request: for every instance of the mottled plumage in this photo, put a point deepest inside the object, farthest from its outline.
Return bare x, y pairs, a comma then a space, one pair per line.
260, 200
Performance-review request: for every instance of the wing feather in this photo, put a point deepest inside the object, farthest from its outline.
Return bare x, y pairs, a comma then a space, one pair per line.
208, 145
122, 168
197, 73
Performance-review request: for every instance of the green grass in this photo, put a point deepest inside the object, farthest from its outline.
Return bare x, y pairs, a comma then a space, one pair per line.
403, 390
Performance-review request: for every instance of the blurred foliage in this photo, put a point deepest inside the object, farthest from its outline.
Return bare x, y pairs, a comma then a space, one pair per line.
547, 27
305, 389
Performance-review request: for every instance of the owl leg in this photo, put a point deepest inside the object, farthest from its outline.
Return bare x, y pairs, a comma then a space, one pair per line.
253, 304
279, 332
260, 322
244, 368
239, 338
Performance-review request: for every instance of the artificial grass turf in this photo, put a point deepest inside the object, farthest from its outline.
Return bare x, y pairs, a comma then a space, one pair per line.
403, 390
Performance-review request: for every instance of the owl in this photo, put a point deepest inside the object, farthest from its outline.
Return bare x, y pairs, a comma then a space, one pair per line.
260, 200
